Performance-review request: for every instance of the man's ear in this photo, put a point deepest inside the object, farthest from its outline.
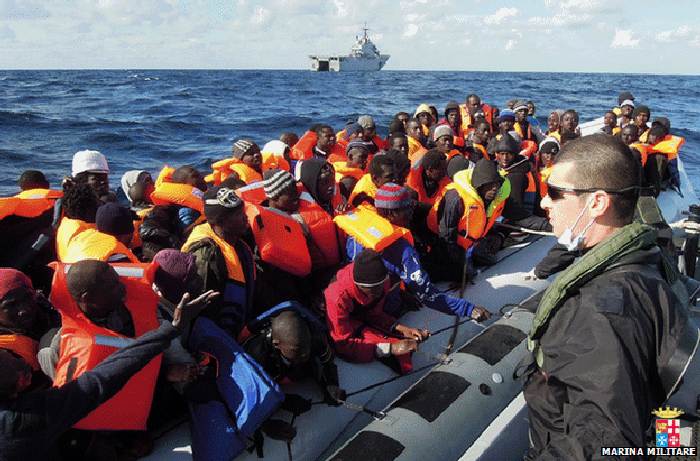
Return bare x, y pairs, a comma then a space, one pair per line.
600, 204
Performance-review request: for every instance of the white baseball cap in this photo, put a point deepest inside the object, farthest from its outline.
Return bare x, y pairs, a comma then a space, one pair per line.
89, 161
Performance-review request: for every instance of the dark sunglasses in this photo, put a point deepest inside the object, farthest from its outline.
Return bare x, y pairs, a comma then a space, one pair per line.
557, 193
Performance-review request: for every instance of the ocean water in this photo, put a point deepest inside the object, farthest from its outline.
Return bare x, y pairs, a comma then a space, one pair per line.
144, 119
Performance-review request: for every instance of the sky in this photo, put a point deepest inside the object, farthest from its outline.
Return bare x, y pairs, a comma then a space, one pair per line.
637, 36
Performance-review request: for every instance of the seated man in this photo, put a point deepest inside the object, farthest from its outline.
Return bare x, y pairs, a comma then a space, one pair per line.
394, 205
178, 209
518, 170
610, 124
527, 131
369, 134
464, 218
295, 347
318, 178
90, 167
398, 141
80, 204
32, 179
27, 321
475, 149
247, 164
224, 260
109, 241
381, 171
359, 328
569, 123
348, 173
640, 117
453, 118
36, 419
416, 136
428, 176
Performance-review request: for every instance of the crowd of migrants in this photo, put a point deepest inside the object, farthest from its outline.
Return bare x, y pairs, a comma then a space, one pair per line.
306, 249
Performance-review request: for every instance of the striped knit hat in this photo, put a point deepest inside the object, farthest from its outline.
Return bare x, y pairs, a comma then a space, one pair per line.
241, 147
276, 181
392, 197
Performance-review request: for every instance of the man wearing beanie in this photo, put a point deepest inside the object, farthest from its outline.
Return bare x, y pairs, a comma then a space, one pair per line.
224, 260
109, 241
247, 164
401, 259
453, 118
348, 173
359, 328
369, 134
318, 178
640, 117
527, 131
464, 218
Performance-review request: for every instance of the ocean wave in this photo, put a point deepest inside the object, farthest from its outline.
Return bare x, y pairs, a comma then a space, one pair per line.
19, 118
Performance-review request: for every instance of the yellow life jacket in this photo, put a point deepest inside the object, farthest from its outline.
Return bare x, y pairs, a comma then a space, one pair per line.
413, 146
67, 231
93, 244
669, 146
233, 264
365, 185
342, 171
168, 193
371, 230
224, 168
476, 221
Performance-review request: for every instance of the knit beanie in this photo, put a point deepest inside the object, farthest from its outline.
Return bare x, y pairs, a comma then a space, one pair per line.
114, 219
241, 147
520, 105
392, 197
511, 103
369, 269
485, 172
276, 181
506, 143
550, 146
457, 164
219, 203
452, 105
356, 143
174, 273
366, 122
443, 130
11, 279
506, 115
353, 128
309, 170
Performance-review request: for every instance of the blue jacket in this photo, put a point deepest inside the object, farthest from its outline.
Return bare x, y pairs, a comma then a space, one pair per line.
402, 261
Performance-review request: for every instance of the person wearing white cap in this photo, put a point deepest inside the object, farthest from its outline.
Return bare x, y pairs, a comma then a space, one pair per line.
626, 110
524, 128
90, 167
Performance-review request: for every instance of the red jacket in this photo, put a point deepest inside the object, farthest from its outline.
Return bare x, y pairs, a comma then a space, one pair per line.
348, 312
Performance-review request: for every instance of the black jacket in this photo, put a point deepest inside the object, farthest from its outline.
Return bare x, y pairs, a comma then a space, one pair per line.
32, 423
602, 352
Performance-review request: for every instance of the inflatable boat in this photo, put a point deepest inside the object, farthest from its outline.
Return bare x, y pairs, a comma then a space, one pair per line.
463, 406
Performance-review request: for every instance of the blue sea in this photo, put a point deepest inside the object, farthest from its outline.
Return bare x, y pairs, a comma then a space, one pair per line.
144, 119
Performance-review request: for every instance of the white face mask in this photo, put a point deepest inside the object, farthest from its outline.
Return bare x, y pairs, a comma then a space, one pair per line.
567, 238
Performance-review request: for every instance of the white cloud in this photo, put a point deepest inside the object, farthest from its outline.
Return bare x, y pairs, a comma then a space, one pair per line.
511, 44
670, 35
411, 31
500, 15
260, 14
623, 39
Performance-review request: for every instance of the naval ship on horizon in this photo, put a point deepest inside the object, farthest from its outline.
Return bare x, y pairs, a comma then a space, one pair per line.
363, 57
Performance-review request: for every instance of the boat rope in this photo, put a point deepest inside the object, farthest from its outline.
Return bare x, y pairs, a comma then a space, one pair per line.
381, 383
525, 230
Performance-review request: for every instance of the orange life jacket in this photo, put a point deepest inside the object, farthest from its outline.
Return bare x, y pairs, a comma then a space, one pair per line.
93, 244
544, 175
643, 149
304, 149
280, 239
233, 264
67, 231
29, 203
415, 182
84, 345
413, 146
136, 238
168, 193
24, 346
223, 168
476, 221
467, 121
669, 146
323, 232
371, 230
272, 161
528, 148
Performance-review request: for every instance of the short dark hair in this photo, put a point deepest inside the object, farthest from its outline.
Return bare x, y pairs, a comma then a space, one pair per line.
32, 179
401, 114
605, 162
320, 128
375, 165
401, 160
432, 159
180, 175
482, 122
81, 202
396, 135
396, 126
